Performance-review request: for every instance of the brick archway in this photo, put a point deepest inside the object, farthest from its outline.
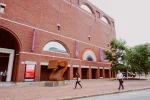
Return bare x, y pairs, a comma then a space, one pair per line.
10, 48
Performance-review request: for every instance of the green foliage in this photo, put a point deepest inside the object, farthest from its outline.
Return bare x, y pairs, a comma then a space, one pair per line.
134, 60
116, 54
139, 58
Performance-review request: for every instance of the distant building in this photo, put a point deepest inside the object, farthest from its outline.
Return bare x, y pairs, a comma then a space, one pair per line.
32, 32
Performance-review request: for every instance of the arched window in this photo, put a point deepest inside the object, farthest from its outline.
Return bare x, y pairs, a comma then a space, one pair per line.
55, 47
86, 8
105, 20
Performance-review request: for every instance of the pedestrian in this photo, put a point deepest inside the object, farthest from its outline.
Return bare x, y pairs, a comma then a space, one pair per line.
4, 76
78, 80
120, 78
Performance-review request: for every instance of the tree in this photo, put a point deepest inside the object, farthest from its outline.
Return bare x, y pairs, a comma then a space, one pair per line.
146, 67
122, 58
139, 59
116, 54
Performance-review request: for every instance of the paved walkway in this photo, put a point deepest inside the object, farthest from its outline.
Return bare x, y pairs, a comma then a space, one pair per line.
90, 88
134, 95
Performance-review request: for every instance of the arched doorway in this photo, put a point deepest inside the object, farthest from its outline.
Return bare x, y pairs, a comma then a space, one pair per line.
9, 50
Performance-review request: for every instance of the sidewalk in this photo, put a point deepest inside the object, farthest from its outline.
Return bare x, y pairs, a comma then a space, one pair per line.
67, 92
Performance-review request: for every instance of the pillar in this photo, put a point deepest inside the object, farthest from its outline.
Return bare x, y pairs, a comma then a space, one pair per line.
109, 73
99, 73
89, 73
10, 67
80, 71
103, 73
37, 72
20, 72
71, 73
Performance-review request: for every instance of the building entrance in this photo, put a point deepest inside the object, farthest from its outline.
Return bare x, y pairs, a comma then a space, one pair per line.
67, 74
3, 65
75, 70
9, 52
85, 72
94, 73
107, 73
6, 64
101, 73
45, 73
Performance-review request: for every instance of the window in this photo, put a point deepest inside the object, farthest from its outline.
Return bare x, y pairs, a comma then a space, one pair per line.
55, 47
86, 8
2, 7
89, 37
105, 20
58, 27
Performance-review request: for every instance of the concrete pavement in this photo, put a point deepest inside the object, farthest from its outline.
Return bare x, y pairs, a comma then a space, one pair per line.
136, 95
67, 92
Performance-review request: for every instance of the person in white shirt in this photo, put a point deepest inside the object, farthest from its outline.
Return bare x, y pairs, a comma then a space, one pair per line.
120, 78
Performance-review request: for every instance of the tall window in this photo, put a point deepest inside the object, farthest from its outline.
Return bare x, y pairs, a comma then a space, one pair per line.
55, 47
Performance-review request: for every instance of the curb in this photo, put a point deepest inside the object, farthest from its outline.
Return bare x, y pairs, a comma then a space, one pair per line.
100, 94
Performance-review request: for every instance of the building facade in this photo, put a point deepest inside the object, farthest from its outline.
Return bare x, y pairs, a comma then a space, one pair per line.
35, 31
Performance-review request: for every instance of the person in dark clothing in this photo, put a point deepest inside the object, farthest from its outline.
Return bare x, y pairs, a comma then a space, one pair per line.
78, 80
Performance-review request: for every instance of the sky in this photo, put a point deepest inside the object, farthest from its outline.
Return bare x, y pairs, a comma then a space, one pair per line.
132, 19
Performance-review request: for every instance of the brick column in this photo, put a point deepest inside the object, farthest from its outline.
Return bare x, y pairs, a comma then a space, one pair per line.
37, 72
109, 73
98, 73
103, 73
16, 64
89, 73
20, 72
80, 71
71, 73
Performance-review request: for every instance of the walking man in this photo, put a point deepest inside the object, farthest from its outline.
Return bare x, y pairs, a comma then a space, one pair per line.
120, 78
78, 80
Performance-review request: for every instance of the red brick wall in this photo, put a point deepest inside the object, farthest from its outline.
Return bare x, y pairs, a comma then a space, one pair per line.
75, 24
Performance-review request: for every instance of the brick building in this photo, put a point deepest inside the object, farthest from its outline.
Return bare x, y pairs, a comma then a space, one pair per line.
35, 31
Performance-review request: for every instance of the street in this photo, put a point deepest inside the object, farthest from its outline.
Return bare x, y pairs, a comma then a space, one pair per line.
137, 95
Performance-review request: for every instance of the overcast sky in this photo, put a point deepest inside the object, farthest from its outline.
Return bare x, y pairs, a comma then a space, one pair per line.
132, 18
